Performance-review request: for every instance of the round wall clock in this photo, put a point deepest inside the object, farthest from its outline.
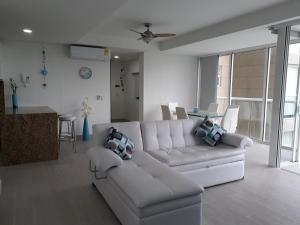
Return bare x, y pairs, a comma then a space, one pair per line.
85, 72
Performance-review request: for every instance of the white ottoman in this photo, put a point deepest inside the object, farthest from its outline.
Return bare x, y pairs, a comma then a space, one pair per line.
143, 191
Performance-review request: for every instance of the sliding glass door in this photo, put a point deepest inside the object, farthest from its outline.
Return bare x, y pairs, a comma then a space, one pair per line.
265, 84
242, 81
248, 91
290, 130
284, 137
247, 79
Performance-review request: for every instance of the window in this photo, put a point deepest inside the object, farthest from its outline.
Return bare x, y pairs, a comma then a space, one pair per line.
223, 84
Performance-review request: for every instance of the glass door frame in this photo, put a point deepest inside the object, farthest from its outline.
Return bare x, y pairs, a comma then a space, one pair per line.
283, 42
296, 145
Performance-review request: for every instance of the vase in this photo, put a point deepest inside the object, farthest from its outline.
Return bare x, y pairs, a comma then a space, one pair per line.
85, 131
15, 101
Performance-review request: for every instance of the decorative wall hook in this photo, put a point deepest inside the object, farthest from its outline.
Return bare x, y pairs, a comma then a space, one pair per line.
44, 70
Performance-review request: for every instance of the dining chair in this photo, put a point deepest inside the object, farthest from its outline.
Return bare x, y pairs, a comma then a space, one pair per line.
181, 113
166, 113
172, 106
230, 119
213, 107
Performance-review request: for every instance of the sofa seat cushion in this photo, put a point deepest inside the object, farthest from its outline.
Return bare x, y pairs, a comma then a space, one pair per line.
194, 154
210, 163
145, 182
153, 209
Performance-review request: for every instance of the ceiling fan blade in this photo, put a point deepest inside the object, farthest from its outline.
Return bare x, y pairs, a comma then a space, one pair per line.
136, 31
164, 35
140, 38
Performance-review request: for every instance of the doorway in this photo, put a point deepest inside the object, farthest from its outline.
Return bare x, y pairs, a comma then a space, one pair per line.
125, 88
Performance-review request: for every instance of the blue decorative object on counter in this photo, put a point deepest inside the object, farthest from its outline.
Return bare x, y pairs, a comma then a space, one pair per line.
195, 109
85, 131
15, 101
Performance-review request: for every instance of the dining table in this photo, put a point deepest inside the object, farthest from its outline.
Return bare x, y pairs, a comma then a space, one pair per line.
203, 114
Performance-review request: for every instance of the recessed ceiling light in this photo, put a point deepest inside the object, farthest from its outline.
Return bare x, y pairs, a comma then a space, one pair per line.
116, 57
27, 31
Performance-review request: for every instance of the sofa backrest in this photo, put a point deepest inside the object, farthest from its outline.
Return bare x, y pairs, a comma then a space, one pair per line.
168, 134
130, 129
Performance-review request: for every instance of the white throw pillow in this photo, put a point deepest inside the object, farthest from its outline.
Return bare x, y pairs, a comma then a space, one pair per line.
237, 140
103, 158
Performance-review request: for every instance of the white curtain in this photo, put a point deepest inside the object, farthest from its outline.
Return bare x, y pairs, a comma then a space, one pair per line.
208, 81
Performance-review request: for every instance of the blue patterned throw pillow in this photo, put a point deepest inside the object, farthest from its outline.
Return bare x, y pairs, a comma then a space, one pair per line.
210, 132
119, 144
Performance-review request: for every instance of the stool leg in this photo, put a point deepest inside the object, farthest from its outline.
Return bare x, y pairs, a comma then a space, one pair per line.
60, 128
73, 135
69, 125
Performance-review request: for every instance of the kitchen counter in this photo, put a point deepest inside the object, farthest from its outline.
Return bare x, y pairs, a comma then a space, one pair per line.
28, 134
28, 110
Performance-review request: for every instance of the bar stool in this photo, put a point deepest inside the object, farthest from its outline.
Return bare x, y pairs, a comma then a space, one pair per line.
69, 135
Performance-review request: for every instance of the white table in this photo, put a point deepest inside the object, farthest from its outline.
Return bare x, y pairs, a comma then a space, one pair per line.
203, 114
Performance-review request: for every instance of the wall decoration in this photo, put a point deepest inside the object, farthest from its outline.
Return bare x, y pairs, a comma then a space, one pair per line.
85, 72
44, 70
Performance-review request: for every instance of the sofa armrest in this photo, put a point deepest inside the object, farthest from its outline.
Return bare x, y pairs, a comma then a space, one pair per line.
236, 140
103, 159
160, 156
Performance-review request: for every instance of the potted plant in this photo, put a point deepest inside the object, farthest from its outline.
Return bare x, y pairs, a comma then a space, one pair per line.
86, 110
14, 88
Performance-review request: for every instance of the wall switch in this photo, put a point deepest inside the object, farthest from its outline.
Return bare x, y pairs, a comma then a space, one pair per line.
99, 97
25, 79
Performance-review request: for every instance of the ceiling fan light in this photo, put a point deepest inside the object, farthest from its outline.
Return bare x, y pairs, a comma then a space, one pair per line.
147, 39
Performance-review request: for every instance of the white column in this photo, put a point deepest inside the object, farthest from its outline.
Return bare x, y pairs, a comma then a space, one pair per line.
282, 53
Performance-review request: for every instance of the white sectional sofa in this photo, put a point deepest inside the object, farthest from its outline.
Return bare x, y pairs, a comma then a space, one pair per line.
173, 143
163, 182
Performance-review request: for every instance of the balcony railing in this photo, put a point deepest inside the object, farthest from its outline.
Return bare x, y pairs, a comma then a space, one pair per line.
251, 118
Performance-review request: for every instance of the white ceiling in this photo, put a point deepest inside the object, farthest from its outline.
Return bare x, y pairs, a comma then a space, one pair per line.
245, 39
106, 23
176, 16
55, 21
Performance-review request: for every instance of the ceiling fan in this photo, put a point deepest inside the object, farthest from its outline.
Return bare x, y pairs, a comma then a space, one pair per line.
148, 35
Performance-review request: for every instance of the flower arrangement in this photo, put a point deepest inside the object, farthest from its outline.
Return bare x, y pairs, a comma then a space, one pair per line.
86, 109
13, 86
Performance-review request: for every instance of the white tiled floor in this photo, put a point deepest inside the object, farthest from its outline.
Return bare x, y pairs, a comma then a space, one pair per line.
60, 193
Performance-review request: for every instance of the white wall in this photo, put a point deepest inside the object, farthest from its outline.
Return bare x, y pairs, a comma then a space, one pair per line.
118, 110
168, 78
65, 90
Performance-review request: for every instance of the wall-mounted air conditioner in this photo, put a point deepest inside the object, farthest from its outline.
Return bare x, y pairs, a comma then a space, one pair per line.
89, 53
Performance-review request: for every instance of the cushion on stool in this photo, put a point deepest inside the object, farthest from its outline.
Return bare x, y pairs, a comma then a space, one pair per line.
66, 117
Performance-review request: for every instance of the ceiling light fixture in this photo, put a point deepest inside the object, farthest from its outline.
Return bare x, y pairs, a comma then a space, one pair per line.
27, 31
116, 57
